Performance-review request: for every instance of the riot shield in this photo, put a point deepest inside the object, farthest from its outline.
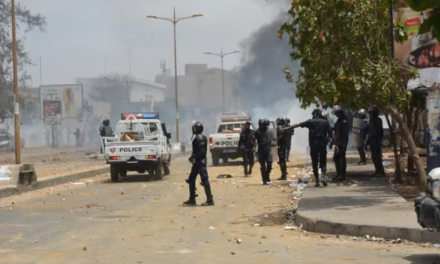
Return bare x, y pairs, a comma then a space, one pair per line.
357, 138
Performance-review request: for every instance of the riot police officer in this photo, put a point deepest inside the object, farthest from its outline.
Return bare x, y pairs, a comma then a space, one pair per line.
198, 160
262, 136
362, 114
246, 146
341, 133
282, 136
105, 130
319, 132
374, 140
290, 134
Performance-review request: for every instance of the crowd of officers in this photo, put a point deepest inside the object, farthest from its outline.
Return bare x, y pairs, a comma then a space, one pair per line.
321, 137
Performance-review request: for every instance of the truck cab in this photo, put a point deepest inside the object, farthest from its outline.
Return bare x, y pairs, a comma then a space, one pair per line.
224, 144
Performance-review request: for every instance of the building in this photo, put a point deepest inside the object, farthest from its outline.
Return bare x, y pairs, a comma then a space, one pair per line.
201, 88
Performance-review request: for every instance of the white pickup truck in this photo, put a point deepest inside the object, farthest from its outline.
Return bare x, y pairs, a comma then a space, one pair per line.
140, 144
224, 144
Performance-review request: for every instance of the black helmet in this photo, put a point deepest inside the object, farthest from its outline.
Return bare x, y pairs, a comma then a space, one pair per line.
266, 122
373, 111
106, 121
338, 111
247, 125
197, 128
287, 121
362, 113
261, 121
324, 106
281, 121
316, 113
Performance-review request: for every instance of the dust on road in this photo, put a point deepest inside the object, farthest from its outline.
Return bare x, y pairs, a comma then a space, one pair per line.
142, 221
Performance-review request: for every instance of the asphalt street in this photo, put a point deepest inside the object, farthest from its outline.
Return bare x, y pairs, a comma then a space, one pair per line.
141, 220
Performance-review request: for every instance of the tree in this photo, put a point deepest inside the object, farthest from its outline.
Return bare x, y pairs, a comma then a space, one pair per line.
433, 22
344, 47
30, 22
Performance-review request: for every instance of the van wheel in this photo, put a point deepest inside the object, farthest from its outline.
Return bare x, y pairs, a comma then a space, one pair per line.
225, 160
215, 160
114, 173
159, 169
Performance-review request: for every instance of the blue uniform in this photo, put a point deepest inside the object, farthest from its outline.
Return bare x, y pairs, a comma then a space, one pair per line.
361, 149
341, 136
374, 140
264, 153
246, 146
199, 149
319, 132
283, 139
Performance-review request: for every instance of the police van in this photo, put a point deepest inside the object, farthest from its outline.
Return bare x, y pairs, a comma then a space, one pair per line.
141, 144
224, 144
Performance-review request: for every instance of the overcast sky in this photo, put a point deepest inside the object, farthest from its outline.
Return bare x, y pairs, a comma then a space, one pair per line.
80, 33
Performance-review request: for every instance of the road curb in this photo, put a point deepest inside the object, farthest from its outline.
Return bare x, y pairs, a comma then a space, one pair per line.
328, 227
7, 192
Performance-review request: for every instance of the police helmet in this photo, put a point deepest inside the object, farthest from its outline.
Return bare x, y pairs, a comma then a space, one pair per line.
362, 113
266, 122
373, 111
247, 125
281, 121
287, 121
317, 112
197, 128
261, 121
106, 121
338, 111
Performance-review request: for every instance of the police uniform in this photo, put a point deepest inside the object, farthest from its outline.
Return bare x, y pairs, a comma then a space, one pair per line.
262, 135
290, 133
105, 130
246, 146
198, 160
374, 140
319, 131
282, 140
341, 132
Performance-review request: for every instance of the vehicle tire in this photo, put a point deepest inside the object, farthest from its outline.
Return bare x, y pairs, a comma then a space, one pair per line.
123, 172
225, 160
114, 173
159, 169
167, 167
215, 160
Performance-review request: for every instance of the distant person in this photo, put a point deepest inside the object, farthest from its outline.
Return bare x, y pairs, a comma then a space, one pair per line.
341, 134
78, 137
282, 140
290, 134
263, 138
70, 109
362, 114
246, 145
374, 140
105, 130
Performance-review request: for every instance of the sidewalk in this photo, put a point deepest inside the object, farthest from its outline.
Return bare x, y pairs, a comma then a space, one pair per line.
360, 206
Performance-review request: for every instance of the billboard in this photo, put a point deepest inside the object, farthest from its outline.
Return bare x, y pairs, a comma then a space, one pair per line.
420, 51
61, 102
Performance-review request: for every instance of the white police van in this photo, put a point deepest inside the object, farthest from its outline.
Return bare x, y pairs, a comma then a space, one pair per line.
141, 143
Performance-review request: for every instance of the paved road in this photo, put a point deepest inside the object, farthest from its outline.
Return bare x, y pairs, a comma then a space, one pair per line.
141, 221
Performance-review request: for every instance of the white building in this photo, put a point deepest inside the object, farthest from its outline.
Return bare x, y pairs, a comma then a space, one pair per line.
144, 90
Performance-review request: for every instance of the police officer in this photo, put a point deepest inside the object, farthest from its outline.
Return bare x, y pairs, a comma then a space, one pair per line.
374, 140
282, 138
290, 134
319, 132
341, 133
262, 136
246, 145
362, 114
198, 160
105, 130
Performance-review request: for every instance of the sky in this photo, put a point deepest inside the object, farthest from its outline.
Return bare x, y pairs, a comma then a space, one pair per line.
88, 38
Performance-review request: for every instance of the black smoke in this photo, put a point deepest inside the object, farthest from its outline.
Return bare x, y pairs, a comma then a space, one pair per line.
261, 75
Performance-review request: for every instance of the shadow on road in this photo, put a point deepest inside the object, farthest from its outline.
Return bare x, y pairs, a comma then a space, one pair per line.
424, 258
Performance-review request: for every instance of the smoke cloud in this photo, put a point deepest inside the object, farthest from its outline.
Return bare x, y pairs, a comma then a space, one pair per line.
264, 88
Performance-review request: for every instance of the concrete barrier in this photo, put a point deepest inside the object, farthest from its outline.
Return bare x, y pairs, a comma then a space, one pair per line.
18, 175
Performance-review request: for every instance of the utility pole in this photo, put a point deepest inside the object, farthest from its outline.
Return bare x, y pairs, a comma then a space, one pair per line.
41, 72
129, 74
221, 55
105, 63
16, 101
174, 20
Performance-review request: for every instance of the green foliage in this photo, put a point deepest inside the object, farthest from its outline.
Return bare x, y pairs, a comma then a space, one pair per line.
433, 23
344, 47
30, 22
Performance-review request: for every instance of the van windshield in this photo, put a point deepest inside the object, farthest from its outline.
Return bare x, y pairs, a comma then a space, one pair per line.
231, 127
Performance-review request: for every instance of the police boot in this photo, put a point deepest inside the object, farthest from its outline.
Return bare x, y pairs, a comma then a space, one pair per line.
283, 172
209, 200
246, 173
317, 184
192, 197
323, 180
250, 170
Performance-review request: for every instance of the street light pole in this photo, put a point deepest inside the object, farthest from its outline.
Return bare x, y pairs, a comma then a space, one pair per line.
222, 55
174, 20
16, 101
